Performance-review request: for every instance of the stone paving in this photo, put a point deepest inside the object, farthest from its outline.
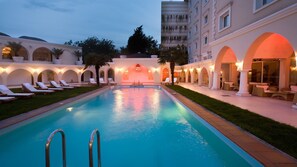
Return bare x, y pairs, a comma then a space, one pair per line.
276, 109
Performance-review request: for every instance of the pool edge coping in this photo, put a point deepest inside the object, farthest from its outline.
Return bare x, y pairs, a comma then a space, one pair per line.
257, 148
12, 121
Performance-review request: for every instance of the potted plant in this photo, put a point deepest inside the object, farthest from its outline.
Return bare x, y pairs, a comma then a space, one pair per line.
78, 54
57, 53
15, 48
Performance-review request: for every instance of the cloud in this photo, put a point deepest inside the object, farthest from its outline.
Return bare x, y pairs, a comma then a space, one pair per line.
53, 5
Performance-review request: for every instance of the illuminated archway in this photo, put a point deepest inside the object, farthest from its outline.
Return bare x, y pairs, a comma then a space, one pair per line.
137, 73
225, 66
165, 74
42, 54
269, 58
46, 76
101, 74
204, 77
183, 76
86, 75
110, 73
19, 76
70, 76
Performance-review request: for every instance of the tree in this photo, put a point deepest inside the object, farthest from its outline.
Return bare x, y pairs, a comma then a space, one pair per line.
97, 53
139, 42
57, 52
15, 47
173, 55
78, 54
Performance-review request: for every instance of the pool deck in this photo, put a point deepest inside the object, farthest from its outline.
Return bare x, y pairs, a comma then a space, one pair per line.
273, 108
263, 152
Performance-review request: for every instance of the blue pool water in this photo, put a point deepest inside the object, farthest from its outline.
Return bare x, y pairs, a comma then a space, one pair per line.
140, 127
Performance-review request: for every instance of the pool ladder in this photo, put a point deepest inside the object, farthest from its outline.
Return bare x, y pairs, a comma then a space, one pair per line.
91, 141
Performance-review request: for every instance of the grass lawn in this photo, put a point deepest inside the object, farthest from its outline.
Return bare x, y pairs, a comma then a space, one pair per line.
279, 135
24, 105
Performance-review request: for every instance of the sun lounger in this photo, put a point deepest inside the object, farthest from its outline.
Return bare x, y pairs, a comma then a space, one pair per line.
175, 80
29, 88
65, 84
101, 80
54, 84
92, 81
166, 81
111, 81
9, 93
44, 87
6, 99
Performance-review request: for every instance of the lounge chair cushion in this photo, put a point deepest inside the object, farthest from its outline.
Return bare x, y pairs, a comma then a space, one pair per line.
265, 87
293, 88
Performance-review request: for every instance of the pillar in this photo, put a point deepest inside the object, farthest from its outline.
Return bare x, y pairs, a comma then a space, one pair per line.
192, 77
210, 79
243, 86
216, 80
284, 72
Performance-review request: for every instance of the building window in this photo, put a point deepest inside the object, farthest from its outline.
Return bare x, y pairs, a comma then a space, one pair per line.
205, 40
260, 4
225, 20
205, 19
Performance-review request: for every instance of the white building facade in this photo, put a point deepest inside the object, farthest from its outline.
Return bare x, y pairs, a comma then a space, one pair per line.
38, 64
242, 42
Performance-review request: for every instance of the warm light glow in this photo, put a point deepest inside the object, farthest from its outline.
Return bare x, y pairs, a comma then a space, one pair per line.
69, 109
2, 70
149, 71
211, 68
191, 70
186, 70
36, 70
198, 69
239, 65
6, 50
295, 68
60, 70
119, 69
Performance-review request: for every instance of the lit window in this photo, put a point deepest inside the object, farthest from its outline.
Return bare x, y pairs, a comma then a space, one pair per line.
6, 53
262, 3
224, 20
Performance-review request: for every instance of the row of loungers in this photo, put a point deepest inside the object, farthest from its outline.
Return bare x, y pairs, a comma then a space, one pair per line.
7, 95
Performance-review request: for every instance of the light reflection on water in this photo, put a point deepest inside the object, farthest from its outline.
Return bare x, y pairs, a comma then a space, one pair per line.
139, 127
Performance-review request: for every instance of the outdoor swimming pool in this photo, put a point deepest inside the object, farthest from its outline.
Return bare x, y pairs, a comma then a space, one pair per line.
138, 126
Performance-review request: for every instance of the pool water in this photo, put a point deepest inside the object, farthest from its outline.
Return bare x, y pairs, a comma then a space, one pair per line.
139, 127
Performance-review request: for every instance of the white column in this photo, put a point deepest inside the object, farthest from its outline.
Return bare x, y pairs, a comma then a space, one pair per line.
243, 86
192, 77
210, 79
284, 72
216, 81
199, 78
187, 77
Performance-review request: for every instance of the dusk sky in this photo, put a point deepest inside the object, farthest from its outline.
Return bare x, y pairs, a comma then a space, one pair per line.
58, 21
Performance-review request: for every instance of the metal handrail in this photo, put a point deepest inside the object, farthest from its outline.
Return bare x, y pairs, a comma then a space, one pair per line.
47, 146
91, 148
